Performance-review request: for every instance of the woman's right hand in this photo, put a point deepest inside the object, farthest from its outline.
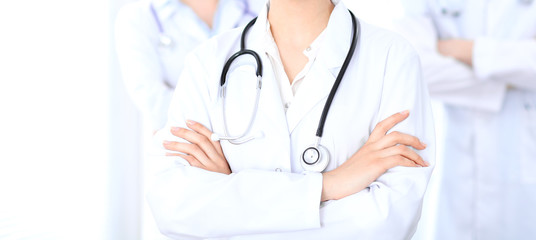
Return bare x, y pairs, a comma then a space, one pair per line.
380, 153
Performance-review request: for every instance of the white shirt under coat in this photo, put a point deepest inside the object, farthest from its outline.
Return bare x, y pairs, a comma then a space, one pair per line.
268, 195
151, 71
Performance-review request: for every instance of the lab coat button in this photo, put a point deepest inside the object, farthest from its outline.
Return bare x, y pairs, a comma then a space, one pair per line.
278, 170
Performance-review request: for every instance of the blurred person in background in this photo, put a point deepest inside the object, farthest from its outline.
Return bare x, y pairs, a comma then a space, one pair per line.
154, 36
479, 59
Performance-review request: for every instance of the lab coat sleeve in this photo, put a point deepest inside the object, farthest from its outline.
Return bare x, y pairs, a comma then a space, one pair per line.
390, 207
400, 191
189, 202
448, 80
140, 64
507, 61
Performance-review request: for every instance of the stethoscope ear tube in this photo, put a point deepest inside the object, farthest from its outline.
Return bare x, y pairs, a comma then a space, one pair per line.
240, 139
227, 65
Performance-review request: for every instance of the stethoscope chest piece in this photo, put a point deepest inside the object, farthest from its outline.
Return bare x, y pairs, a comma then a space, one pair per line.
315, 158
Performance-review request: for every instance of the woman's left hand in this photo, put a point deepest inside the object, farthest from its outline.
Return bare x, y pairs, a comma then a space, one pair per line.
201, 152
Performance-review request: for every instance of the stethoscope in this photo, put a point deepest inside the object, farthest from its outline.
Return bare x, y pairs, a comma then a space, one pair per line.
315, 157
457, 11
163, 39
166, 41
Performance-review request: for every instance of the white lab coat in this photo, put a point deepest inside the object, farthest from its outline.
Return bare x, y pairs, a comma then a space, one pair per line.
268, 196
488, 188
150, 71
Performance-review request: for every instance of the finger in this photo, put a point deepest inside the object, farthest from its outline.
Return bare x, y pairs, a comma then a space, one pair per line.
190, 159
395, 138
193, 161
394, 161
217, 145
405, 152
189, 149
384, 126
203, 142
199, 128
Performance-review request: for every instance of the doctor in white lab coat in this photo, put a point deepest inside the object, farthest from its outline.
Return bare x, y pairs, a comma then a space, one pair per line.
153, 38
381, 157
479, 58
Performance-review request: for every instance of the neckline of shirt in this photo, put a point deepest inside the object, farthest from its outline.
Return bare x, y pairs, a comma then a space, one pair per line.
288, 90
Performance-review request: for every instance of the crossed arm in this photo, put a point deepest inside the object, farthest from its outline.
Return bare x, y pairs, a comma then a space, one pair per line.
198, 198
380, 153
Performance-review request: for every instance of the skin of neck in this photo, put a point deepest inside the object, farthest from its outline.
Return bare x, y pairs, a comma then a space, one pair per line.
205, 9
295, 24
300, 21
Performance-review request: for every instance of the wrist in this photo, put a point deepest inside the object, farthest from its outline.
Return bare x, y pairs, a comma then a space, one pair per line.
464, 51
327, 184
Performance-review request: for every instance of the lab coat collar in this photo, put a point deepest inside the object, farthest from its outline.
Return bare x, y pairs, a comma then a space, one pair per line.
335, 45
161, 3
337, 41
258, 34
166, 8
331, 55
338, 37
234, 12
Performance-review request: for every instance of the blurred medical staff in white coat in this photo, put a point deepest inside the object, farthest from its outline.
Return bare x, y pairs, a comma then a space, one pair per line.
374, 182
479, 58
153, 38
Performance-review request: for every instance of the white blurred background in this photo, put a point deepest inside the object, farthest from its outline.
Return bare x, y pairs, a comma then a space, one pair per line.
71, 141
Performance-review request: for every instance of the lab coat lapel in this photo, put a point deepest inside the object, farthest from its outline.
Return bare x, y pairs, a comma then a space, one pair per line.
313, 91
319, 81
270, 102
234, 15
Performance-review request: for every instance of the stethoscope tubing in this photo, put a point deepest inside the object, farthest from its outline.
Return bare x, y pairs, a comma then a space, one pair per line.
243, 51
342, 72
156, 19
223, 79
314, 158
223, 84
240, 139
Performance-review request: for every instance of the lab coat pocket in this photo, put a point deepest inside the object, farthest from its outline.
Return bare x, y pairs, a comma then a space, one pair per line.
528, 141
